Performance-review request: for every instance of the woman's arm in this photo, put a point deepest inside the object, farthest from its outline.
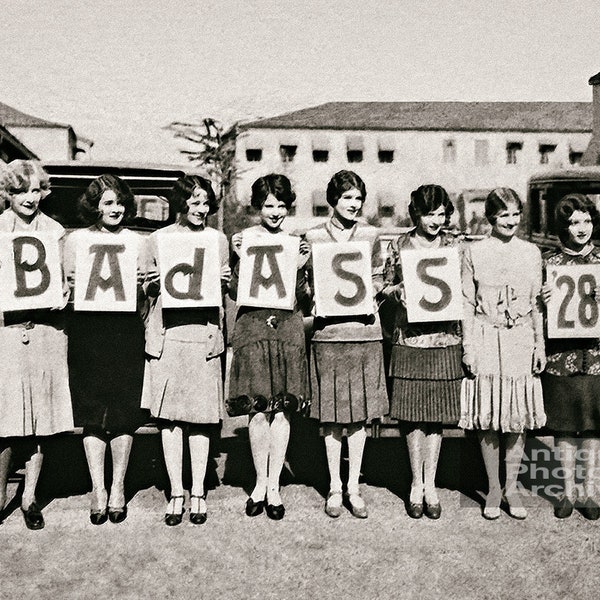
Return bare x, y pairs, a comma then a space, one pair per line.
469, 290
539, 353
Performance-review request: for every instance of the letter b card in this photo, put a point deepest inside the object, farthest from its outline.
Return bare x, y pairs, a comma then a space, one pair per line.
432, 284
268, 270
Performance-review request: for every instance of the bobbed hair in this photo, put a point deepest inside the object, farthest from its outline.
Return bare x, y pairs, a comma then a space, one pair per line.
498, 200
427, 198
87, 205
16, 176
341, 182
273, 184
184, 188
565, 208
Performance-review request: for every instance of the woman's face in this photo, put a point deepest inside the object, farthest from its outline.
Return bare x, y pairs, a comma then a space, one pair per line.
26, 204
273, 212
349, 204
507, 221
198, 207
580, 229
111, 210
431, 224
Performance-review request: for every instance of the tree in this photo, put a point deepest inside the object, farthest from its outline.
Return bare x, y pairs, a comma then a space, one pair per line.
211, 147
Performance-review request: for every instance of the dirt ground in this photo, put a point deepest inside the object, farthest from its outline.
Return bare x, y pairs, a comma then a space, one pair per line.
307, 554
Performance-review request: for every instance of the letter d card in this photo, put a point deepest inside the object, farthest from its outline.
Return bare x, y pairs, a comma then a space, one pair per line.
268, 270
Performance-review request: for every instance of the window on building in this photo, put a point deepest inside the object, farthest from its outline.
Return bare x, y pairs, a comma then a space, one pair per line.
320, 155
253, 154
449, 151
385, 156
386, 204
575, 157
546, 151
512, 152
354, 156
354, 148
288, 153
482, 148
320, 208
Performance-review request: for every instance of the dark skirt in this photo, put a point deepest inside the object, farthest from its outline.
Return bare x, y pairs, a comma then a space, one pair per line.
572, 402
348, 382
269, 358
106, 370
426, 384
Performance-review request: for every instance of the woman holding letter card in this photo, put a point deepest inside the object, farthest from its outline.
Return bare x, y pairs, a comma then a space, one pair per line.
269, 373
106, 348
503, 346
347, 370
34, 395
183, 385
571, 382
426, 363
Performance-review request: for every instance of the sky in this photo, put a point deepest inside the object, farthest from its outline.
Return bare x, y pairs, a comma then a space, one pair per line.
118, 71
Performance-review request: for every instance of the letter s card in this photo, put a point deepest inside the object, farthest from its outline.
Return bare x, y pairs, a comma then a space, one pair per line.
30, 271
342, 279
432, 284
268, 270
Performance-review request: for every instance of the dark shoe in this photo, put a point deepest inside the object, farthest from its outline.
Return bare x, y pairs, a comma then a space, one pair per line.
117, 515
174, 518
564, 508
414, 510
590, 510
433, 511
33, 517
98, 517
253, 509
198, 517
275, 512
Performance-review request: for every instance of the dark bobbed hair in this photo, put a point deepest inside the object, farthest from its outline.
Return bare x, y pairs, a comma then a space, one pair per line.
184, 188
272, 184
498, 200
341, 182
87, 205
565, 208
15, 178
427, 198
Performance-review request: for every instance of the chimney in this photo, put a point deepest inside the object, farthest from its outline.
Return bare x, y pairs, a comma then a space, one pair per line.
592, 154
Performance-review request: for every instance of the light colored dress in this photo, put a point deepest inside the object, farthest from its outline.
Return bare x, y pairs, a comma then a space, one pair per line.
183, 379
501, 328
34, 387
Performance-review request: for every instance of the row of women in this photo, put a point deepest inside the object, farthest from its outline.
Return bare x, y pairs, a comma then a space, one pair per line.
485, 373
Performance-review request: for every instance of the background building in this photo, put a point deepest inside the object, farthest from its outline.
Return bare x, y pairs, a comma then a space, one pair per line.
467, 147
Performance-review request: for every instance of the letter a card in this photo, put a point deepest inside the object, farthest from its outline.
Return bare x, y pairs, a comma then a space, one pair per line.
268, 269
342, 279
106, 271
190, 269
432, 284
30, 271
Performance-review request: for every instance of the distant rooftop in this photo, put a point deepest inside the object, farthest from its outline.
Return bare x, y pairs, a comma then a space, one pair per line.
452, 116
11, 116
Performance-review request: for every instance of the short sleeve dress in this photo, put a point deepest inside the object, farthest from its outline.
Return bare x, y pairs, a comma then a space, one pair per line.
502, 326
106, 357
426, 362
34, 394
571, 381
183, 378
346, 367
269, 367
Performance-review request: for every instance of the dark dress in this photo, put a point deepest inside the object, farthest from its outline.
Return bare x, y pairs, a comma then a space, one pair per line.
571, 381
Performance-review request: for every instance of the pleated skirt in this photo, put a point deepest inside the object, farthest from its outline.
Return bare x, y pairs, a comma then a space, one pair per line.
572, 402
34, 390
426, 384
347, 382
504, 396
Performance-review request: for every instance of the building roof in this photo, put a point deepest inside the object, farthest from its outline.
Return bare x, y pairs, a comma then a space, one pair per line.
451, 116
11, 147
595, 79
10, 116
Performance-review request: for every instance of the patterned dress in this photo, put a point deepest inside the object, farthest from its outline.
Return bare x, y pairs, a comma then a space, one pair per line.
571, 381
502, 327
426, 362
